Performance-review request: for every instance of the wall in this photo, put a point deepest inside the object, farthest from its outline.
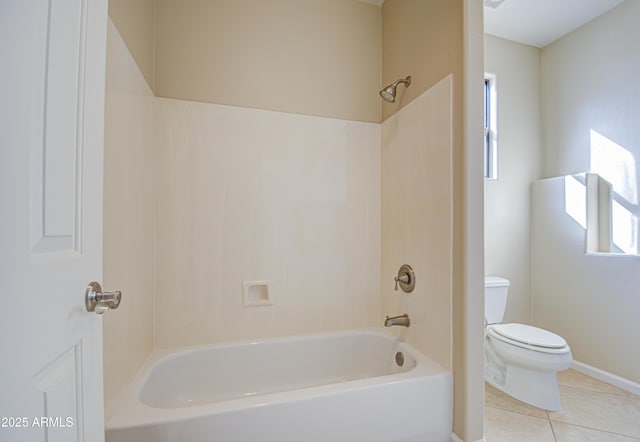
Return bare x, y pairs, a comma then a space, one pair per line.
135, 21
421, 39
312, 57
251, 195
417, 218
429, 41
590, 83
507, 199
128, 218
589, 299
468, 293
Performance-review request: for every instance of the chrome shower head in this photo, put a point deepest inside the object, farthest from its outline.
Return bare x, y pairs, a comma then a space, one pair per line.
389, 92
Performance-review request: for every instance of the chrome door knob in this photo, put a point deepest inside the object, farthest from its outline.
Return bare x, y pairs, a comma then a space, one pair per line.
100, 302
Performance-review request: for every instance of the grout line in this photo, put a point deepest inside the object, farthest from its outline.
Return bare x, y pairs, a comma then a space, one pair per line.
599, 430
553, 431
593, 391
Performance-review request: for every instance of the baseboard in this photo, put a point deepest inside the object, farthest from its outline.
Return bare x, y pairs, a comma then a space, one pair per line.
609, 378
455, 438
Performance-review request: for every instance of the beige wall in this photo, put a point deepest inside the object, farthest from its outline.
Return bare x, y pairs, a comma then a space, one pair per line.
468, 301
312, 57
251, 195
135, 21
128, 218
507, 199
422, 39
417, 219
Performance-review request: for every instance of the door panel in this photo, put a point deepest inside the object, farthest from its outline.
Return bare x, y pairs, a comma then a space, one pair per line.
51, 121
58, 95
59, 385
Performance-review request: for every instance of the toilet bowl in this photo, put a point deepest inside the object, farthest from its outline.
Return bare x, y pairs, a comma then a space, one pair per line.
521, 360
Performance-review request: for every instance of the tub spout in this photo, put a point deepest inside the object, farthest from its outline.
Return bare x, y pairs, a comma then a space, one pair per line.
402, 320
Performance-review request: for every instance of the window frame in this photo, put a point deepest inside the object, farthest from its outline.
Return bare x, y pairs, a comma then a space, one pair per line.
490, 127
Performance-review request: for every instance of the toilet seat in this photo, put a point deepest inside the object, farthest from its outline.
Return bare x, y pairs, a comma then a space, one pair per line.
529, 337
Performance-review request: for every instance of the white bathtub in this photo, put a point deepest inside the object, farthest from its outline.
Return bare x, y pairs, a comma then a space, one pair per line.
344, 386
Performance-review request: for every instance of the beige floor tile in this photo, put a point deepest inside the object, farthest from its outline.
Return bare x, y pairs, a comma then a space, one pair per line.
497, 399
572, 378
635, 398
506, 426
596, 410
572, 433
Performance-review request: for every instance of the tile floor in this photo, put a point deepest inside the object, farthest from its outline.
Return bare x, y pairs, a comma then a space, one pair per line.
593, 411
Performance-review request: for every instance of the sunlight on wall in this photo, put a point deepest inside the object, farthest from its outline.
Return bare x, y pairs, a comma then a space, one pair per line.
575, 200
617, 165
624, 226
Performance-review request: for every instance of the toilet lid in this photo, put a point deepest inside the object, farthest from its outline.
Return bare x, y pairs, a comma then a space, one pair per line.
529, 335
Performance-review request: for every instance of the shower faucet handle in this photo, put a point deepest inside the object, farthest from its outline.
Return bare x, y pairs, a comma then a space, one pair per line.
406, 279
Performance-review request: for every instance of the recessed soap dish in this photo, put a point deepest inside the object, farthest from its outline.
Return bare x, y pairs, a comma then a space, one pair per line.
256, 293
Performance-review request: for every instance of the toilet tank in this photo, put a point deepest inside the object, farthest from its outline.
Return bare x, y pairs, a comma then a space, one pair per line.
495, 298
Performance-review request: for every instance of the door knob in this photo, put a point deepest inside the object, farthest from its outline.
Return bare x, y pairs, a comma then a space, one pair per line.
99, 302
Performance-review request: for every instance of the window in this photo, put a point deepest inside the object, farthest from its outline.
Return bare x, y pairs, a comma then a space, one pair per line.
490, 127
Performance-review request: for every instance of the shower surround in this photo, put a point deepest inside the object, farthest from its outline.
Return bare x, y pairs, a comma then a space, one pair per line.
242, 194
245, 195
417, 218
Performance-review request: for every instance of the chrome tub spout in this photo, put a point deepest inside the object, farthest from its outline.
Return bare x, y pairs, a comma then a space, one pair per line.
401, 320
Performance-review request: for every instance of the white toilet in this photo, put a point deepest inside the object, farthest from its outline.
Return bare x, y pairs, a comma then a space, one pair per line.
521, 360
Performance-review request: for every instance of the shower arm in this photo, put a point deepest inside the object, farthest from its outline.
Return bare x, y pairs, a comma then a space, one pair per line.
405, 81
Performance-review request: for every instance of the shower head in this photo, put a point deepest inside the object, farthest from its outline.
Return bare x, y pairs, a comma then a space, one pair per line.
389, 92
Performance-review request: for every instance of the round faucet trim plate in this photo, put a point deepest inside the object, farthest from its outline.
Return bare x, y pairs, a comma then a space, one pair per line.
406, 278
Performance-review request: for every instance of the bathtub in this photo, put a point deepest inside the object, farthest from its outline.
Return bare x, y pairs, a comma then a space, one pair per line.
356, 386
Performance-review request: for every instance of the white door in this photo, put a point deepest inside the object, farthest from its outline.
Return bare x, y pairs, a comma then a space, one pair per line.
52, 65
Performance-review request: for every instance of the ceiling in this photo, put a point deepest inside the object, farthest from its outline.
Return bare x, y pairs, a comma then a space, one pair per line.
540, 22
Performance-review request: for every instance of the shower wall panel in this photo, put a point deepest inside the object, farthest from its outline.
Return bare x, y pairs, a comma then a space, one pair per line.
417, 218
128, 218
254, 195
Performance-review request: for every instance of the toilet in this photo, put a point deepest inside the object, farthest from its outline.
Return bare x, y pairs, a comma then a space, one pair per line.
521, 360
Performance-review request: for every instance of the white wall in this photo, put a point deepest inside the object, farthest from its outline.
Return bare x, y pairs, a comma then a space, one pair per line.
247, 194
507, 199
128, 218
417, 219
590, 83
590, 300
